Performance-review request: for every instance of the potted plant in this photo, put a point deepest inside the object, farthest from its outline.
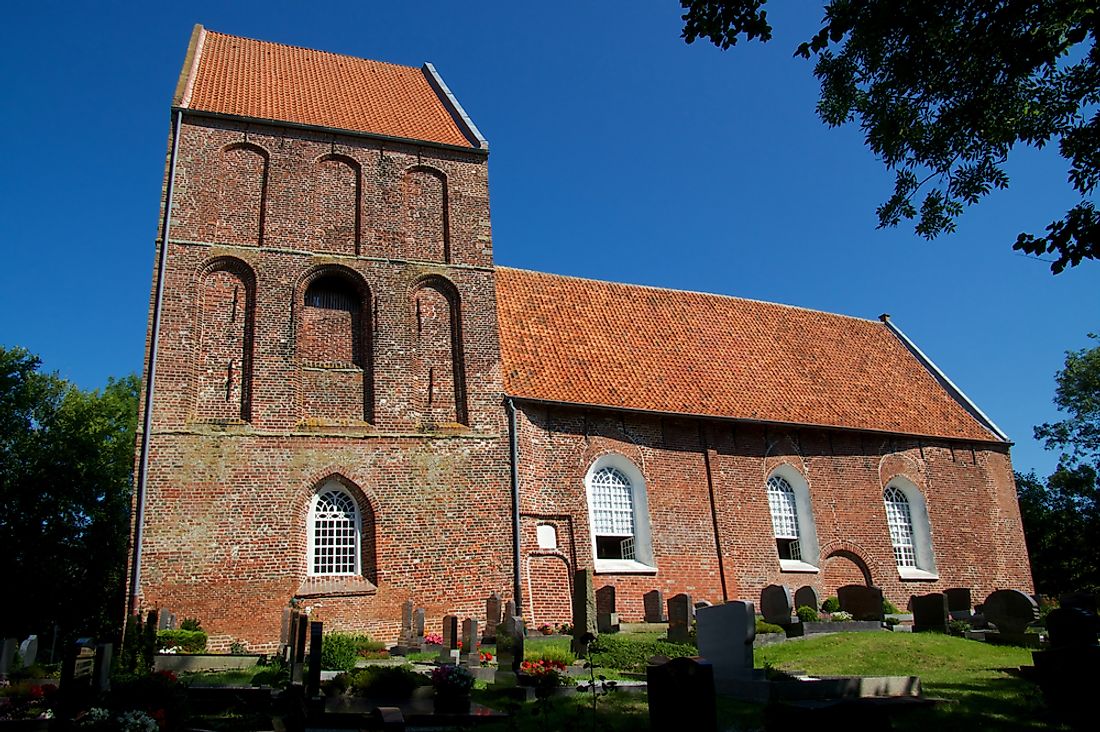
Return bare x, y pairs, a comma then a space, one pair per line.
451, 686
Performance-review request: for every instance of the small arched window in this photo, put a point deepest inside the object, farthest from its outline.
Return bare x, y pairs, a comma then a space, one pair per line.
781, 500
331, 327
335, 526
619, 514
910, 530
792, 520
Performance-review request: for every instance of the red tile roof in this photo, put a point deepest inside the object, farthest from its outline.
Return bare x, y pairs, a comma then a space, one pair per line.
258, 79
581, 341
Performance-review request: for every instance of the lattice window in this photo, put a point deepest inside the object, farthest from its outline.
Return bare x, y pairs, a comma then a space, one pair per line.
900, 520
612, 504
782, 504
334, 533
330, 293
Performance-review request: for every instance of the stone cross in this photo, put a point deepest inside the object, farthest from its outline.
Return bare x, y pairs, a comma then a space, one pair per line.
725, 635
680, 614
607, 620
449, 652
776, 604
492, 617
584, 610
470, 655
654, 604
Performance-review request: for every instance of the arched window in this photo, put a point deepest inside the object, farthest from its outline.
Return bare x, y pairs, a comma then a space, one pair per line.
619, 514
792, 520
910, 531
331, 327
335, 527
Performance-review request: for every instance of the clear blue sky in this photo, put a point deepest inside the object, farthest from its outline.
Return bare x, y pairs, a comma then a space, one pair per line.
618, 152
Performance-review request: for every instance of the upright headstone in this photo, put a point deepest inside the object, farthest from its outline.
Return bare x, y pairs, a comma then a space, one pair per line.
1011, 611
725, 634
1067, 670
929, 612
510, 635
654, 604
28, 650
418, 628
680, 615
492, 617
864, 603
776, 604
284, 628
316, 641
509, 610
607, 620
958, 603
1081, 600
166, 620
681, 695
299, 651
101, 672
407, 609
449, 652
7, 655
584, 610
470, 638
806, 596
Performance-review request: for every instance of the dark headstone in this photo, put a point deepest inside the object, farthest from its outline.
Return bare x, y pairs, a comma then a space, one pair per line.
776, 604
492, 617
1084, 600
1071, 627
806, 596
1067, 671
584, 610
101, 672
470, 637
1011, 611
958, 599
7, 655
449, 652
607, 620
418, 626
681, 695
298, 653
284, 628
929, 612
654, 604
681, 613
316, 640
510, 637
864, 603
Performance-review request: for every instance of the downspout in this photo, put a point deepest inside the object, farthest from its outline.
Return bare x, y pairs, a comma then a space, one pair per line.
713, 511
513, 444
147, 417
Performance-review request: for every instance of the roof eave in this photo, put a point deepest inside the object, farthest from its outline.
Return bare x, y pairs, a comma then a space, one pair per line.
458, 114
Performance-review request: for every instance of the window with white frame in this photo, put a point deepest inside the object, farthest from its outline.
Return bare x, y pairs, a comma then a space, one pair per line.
910, 530
334, 532
792, 520
619, 515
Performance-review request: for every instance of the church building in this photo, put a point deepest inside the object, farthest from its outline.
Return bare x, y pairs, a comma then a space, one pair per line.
349, 405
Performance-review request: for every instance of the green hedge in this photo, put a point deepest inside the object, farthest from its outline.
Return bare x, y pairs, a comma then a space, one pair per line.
763, 628
339, 651
626, 654
188, 641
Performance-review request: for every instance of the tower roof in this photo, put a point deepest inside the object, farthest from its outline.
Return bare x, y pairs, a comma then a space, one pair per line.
241, 77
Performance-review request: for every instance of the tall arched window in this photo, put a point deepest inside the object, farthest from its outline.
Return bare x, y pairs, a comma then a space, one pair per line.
335, 527
619, 514
910, 530
792, 520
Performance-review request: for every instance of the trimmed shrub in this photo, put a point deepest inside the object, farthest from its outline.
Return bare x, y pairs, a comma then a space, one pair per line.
190, 624
831, 605
622, 653
393, 682
958, 627
339, 651
187, 641
807, 614
560, 654
892, 622
889, 608
763, 628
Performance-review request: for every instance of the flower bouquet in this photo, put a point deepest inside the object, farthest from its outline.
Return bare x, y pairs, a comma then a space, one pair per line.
452, 685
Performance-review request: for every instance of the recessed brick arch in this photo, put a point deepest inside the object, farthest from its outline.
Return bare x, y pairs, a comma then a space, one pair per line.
845, 563
242, 193
426, 220
336, 205
225, 309
438, 369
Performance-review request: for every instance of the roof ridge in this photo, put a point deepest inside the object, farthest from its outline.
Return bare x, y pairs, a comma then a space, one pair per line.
872, 321
313, 50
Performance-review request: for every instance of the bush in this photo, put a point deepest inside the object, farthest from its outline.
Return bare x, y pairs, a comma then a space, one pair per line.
549, 653
892, 622
840, 617
958, 627
889, 608
367, 648
807, 614
339, 651
392, 682
190, 624
831, 605
763, 628
187, 641
622, 653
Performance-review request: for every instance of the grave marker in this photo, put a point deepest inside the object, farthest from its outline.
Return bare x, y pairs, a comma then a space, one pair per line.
776, 604
492, 618
806, 596
680, 614
725, 634
28, 650
929, 612
681, 695
449, 652
584, 610
470, 655
607, 620
316, 640
1011, 611
864, 603
654, 604
510, 635
7, 655
958, 603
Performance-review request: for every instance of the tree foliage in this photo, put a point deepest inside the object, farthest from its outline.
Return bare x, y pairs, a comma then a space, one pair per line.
66, 460
1062, 516
944, 90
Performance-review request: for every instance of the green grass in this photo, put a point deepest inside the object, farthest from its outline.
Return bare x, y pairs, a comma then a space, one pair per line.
232, 677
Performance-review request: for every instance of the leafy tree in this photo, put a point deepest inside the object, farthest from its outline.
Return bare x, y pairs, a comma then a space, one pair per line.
1062, 517
944, 90
66, 458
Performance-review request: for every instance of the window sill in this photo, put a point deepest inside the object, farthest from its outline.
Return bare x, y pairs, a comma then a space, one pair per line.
795, 565
335, 586
622, 566
912, 573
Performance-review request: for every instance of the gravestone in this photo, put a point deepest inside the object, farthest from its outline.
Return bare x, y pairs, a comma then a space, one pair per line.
1067, 671
725, 634
1071, 627
28, 650
584, 611
929, 612
510, 635
449, 652
418, 628
681, 695
316, 641
166, 620
958, 603
654, 604
680, 614
470, 655
407, 609
607, 620
1082, 600
299, 652
702, 603
101, 671
509, 610
492, 618
776, 604
1011, 611
7, 655
864, 603
806, 596
284, 629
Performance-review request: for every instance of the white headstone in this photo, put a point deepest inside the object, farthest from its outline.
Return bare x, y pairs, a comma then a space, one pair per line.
725, 634
28, 649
